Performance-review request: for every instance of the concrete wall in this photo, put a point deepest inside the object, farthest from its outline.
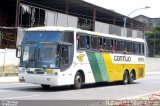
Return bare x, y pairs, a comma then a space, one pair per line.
152, 64
8, 62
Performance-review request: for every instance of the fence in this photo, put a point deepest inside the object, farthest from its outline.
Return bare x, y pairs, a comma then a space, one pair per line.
8, 62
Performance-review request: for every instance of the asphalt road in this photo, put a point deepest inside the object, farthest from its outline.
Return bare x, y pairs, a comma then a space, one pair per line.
96, 92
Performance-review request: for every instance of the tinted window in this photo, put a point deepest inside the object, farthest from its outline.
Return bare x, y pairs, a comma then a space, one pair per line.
142, 48
129, 46
119, 45
108, 44
136, 48
94, 42
83, 41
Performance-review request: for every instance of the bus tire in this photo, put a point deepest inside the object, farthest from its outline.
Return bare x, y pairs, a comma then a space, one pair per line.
131, 77
77, 81
125, 78
45, 86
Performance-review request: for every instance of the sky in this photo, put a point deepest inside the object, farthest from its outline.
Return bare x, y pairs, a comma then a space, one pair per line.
125, 7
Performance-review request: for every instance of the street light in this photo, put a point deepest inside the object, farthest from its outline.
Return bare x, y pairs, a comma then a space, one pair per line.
125, 19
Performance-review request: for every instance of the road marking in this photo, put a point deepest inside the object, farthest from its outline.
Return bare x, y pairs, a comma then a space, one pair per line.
11, 84
137, 96
20, 97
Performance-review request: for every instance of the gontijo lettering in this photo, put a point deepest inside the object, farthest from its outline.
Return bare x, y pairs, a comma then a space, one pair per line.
122, 58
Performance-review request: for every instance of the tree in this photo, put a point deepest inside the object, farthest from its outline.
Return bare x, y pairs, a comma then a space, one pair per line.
153, 40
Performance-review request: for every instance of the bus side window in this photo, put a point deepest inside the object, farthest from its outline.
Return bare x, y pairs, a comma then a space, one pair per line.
104, 44
94, 42
136, 48
140, 52
129, 47
100, 44
87, 42
119, 45
142, 49
125, 46
78, 40
64, 62
83, 41
113, 46
108, 44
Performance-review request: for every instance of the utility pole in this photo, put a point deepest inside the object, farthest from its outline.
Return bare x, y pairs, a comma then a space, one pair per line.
94, 18
17, 13
125, 18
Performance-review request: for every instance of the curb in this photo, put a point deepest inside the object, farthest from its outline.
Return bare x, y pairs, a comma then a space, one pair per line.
152, 73
9, 79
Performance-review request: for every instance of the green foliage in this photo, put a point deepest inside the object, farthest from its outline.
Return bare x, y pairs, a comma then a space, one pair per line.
155, 32
149, 35
153, 37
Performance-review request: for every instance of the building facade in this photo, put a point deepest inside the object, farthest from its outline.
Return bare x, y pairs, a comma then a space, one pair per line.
152, 22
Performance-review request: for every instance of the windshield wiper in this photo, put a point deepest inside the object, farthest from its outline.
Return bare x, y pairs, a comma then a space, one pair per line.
31, 60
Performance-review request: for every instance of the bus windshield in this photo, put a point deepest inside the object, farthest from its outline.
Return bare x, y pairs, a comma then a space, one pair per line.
48, 56
41, 49
40, 55
28, 55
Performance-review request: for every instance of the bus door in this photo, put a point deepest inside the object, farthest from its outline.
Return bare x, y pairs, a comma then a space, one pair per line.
65, 56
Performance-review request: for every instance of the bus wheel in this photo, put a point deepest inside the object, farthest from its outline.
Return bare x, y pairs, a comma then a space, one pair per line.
125, 78
131, 77
77, 81
45, 86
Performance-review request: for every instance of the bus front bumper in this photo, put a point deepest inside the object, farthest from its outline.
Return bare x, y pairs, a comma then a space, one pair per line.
39, 79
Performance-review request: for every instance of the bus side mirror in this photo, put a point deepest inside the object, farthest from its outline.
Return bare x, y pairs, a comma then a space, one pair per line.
18, 51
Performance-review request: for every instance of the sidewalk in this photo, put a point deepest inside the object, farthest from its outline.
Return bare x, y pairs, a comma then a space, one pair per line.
9, 79
152, 73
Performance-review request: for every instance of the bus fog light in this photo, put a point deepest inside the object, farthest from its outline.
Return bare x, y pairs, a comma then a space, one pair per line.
49, 79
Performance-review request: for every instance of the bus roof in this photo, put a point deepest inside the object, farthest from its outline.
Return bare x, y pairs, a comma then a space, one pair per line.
57, 28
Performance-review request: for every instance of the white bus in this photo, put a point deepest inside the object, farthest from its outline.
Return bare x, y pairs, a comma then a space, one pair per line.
56, 56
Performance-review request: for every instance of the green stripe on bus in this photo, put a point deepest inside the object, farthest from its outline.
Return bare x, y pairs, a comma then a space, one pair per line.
94, 66
102, 66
